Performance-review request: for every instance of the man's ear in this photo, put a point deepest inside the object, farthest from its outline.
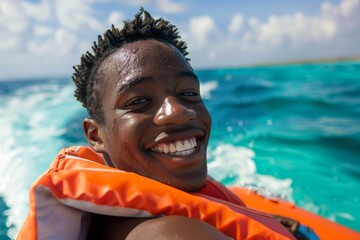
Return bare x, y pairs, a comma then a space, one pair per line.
94, 134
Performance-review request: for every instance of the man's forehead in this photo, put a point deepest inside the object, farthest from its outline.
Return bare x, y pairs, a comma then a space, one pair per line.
140, 60
125, 54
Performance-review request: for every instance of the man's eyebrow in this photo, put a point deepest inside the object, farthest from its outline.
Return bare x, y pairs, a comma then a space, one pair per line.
188, 74
132, 82
137, 80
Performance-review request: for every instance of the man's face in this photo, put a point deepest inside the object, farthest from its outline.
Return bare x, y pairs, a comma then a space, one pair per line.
156, 123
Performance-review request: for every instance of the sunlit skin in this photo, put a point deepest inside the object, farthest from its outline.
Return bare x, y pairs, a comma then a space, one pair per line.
156, 123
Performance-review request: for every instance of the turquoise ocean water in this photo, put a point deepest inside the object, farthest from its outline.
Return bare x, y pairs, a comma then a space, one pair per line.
290, 130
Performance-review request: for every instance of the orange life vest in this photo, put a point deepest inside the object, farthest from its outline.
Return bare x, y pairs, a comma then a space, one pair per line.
78, 184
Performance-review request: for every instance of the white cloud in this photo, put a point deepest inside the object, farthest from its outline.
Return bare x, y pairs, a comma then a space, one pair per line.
296, 29
236, 23
62, 42
77, 15
10, 43
136, 2
346, 15
253, 22
65, 41
42, 31
12, 17
116, 18
16, 15
37, 47
165, 6
333, 32
168, 6
47, 29
348, 7
23, 26
41, 11
201, 30
84, 46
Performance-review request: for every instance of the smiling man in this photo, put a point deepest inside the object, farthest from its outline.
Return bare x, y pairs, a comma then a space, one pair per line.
145, 173
154, 120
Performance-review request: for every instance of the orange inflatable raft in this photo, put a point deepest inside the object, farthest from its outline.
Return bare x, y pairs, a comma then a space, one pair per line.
324, 229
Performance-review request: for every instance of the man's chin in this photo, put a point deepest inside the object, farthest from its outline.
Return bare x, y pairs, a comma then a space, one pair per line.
192, 184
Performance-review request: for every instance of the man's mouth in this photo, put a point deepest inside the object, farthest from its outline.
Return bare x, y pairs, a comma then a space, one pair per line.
179, 147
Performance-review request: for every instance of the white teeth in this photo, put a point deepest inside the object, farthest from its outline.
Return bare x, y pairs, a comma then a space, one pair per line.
165, 148
180, 147
186, 152
193, 141
187, 144
172, 148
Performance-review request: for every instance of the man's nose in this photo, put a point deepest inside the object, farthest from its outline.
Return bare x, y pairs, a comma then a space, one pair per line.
172, 111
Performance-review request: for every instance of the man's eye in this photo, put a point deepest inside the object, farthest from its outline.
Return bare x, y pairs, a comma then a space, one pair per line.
190, 94
137, 101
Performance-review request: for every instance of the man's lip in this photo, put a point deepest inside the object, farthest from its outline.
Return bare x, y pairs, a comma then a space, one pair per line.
173, 137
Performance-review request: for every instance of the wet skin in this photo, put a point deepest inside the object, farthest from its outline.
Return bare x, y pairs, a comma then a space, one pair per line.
156, 123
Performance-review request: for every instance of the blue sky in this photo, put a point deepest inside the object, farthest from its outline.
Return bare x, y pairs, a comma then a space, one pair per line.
44, 38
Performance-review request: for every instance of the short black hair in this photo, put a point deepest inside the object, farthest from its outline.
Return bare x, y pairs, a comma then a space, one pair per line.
142, 27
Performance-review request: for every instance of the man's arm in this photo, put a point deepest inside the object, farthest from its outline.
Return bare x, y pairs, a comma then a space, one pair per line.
169, 227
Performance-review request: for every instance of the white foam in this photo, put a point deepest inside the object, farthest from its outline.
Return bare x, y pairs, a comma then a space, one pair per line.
206, 88
31, 120
228, 161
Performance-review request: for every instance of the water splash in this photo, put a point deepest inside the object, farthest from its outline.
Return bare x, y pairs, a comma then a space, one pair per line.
206, 89
33, 119
235, 164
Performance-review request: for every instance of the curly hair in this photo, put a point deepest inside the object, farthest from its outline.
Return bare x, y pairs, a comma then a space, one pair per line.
142, 27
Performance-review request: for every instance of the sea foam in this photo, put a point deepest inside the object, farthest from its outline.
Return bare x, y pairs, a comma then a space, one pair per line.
32, 120
235, 165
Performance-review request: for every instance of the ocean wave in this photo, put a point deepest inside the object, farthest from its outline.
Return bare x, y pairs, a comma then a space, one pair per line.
207, 87
3, 220
33, 118
235, 165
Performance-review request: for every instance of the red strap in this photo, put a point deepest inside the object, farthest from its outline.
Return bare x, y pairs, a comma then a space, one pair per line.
215, 189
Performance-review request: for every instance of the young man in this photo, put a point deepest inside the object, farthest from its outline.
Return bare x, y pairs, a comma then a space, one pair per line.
146, 117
